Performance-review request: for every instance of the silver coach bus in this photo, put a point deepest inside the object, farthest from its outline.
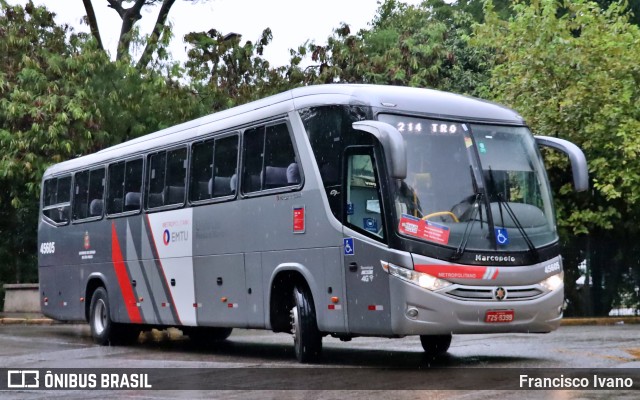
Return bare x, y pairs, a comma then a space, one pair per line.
342, 210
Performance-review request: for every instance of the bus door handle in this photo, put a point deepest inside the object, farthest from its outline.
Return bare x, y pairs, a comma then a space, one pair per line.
353, 267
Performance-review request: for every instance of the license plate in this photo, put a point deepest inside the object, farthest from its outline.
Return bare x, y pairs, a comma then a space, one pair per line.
494, 316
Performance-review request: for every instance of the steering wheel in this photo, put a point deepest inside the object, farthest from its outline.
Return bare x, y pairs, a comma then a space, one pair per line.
441, 214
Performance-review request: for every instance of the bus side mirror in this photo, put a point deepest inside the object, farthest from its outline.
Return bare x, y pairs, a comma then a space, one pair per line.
576, 156
392, 144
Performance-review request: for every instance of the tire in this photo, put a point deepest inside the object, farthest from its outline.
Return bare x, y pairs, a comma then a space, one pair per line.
207, 335
103, 330
307, 339
435, 345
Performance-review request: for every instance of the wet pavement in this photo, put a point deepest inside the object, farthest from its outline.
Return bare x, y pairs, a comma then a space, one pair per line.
70, 346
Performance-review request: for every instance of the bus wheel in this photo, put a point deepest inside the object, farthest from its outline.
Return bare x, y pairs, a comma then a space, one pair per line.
99, 319
205, 335
307, 339
105, 331
435, 345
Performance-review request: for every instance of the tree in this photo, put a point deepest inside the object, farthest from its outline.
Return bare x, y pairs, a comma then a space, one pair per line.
130, 16
424, 46
225, 73
572, 70
60, 97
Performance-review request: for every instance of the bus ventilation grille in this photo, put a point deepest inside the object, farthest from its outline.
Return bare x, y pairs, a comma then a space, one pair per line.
486, 294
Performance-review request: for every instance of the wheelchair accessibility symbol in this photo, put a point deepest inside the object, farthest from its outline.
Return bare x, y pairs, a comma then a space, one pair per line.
502, 237
349, 250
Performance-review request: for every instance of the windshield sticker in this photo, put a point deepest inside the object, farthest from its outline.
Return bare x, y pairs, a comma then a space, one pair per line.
502, 236
370, 224
350, 209
459, 271
482, 148
468, 142
426, 230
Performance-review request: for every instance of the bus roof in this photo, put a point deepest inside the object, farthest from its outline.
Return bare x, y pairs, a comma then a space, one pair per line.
428, 102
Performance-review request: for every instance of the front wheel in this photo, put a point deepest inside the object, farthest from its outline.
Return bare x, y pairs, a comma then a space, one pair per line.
435, 345
307, 339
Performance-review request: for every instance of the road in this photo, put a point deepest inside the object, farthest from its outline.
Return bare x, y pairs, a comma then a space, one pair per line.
257, 357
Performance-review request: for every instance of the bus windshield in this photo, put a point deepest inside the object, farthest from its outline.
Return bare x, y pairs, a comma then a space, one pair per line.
471, 186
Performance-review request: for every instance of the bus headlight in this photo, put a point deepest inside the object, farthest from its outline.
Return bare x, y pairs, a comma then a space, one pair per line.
553, 282
417, 278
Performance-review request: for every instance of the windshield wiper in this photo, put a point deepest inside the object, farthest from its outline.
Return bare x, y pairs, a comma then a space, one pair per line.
472, 218
469, 227
512, 215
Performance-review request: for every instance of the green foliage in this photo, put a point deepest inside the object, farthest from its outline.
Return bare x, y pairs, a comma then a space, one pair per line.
572, 70
423, 46
61, 97
577, 77
225, 73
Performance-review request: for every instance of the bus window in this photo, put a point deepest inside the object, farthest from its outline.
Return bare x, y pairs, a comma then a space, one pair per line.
166, 178
330, 131
87, 194
125, 183
116, 189
269, 159
213, 168
132, 185
201, 170
362, 195
225, 167
57, 197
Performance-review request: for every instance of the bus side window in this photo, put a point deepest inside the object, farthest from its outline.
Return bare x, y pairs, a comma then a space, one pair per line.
124, 186
175, 176
201, 170
166, 178
269, 160
87, 195
225, 167
214, 166
80, 195
57, 199
132, 184
253, 147
115, 186
96, 192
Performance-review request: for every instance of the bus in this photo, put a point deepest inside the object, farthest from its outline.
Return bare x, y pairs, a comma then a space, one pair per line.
336, 210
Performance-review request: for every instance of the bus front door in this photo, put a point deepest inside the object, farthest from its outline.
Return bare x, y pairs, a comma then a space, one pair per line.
367, 284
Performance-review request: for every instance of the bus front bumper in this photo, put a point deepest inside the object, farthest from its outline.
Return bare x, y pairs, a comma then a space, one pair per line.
418, 311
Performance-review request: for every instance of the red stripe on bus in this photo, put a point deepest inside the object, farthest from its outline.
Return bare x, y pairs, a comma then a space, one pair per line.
454, 271
123, 278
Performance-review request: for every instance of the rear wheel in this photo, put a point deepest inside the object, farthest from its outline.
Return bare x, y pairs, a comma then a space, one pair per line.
103, 329
435, 345
307, 339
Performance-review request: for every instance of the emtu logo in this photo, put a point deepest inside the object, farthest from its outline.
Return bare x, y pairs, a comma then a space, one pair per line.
166, 237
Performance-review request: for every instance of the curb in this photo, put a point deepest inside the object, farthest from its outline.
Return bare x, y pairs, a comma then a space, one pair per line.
27, 321
600, 321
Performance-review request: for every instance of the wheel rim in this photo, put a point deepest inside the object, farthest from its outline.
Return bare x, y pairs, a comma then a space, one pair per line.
295, 327
100, 317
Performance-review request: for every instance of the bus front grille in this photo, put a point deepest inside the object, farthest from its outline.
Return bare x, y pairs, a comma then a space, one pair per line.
487, 293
